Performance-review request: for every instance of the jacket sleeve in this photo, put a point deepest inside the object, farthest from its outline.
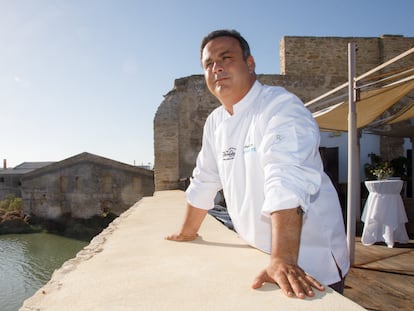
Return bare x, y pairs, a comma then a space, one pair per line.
290, 158
205, 182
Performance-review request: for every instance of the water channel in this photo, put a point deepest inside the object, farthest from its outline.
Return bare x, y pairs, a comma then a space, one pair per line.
27, 262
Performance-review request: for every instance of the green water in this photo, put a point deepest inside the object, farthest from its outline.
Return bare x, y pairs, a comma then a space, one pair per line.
27, 262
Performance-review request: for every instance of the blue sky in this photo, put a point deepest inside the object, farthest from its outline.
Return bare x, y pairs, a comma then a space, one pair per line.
89, 75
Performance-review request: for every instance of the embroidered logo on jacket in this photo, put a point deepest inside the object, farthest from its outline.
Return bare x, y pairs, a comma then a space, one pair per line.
249, 148
229, 154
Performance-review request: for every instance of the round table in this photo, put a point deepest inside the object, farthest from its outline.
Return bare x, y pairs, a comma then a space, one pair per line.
384, 215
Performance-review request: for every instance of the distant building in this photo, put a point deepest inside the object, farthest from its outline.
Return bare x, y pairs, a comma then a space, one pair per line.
10, 178
82, 186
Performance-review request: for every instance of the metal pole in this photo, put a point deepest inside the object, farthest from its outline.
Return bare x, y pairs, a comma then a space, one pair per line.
357, 173
353, 179
412, 172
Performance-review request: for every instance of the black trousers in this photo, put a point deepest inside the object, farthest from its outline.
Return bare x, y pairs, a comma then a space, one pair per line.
339, 286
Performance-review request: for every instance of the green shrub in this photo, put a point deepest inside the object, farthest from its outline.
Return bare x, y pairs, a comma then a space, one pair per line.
11, 203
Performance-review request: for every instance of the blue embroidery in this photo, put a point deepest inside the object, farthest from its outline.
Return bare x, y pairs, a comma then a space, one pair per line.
249, 148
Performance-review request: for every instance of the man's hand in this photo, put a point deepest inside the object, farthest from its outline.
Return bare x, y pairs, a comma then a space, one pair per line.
291, 279
178, 237
283, 268
192, 222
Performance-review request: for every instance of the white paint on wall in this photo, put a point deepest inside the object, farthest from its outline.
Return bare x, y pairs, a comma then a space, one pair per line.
368, 144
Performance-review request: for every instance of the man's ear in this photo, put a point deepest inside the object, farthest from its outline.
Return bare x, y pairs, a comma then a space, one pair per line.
251, 64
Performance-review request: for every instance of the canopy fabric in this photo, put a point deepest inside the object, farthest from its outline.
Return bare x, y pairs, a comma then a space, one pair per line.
370, 106
408, 114
406, 131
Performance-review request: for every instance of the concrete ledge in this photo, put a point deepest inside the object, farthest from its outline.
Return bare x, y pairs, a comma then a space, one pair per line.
130, 266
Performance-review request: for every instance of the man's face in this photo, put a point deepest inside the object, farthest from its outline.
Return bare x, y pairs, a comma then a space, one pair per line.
228, 76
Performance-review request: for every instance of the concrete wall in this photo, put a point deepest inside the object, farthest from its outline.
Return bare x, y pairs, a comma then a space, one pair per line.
310, 66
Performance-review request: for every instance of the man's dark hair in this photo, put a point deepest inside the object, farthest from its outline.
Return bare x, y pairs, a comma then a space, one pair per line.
227, 33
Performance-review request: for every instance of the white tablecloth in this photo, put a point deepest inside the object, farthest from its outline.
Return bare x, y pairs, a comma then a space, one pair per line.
384, 215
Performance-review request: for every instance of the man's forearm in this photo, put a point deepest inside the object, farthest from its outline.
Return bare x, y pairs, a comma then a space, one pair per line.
286, 230
192, 222
193, 219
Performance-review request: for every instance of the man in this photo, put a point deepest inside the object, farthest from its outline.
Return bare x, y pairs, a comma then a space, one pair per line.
261, 148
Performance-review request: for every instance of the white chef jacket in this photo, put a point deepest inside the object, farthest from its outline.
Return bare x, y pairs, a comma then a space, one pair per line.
265, 157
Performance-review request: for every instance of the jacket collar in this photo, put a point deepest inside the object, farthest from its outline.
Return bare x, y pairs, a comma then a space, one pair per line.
248, 99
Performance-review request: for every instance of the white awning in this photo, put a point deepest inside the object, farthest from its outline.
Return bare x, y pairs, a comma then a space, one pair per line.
369, 107
391, 92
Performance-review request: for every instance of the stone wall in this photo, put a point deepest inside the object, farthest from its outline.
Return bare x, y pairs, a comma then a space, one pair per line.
327, 56
178, 127
84, 186
310, 66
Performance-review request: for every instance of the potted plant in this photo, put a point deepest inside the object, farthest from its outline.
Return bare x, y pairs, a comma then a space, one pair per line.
383, 171
380, 169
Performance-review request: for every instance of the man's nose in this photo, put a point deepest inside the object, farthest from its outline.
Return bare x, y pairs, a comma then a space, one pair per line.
217, 67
